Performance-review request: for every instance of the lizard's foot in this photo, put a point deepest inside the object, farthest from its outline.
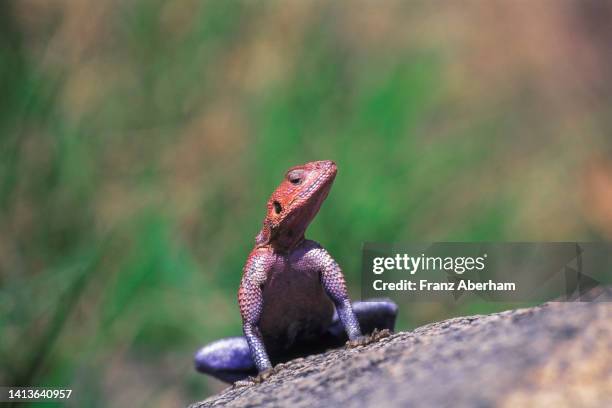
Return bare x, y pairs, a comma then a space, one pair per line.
259, 378
264, 375
376, 335
243, 383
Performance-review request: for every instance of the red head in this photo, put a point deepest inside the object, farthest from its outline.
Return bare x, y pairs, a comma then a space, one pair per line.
295, 202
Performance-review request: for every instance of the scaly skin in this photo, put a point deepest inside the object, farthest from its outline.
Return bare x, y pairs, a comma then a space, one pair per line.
291, 286
286, 278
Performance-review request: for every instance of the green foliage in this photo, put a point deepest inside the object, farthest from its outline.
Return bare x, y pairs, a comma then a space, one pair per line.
130, 198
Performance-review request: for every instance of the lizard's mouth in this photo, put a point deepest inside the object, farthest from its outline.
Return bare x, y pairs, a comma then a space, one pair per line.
297, 213
321, 184
310, 200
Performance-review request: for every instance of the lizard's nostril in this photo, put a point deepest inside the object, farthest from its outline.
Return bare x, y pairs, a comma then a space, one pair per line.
277, 207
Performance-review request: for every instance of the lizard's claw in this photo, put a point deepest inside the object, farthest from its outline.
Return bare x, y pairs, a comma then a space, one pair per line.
375, 336
243, 383
264, 375
259, 378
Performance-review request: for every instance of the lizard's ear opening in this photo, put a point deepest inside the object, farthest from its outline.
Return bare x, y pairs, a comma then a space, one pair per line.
277, 207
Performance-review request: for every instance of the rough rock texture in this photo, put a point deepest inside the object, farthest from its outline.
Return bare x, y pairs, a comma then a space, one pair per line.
557, 354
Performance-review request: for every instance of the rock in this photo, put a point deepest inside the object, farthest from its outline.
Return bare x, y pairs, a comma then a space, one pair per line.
557, 354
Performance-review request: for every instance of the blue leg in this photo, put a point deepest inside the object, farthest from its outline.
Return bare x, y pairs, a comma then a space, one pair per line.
227, 359
372, 314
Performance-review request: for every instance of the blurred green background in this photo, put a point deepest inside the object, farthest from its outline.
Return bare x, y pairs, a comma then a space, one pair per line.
140, 140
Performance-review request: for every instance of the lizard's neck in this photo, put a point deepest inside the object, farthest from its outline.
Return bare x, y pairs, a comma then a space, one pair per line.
283, 240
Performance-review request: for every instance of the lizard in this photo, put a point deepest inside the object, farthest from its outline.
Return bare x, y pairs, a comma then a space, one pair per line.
293, 297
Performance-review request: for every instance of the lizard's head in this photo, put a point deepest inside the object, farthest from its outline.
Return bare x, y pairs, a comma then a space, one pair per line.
296, 201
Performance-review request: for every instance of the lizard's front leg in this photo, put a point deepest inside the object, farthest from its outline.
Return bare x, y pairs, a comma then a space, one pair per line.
334, 284
250, 299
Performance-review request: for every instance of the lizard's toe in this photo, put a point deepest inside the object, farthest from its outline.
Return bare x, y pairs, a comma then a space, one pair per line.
376, 335
243, 383
263, 376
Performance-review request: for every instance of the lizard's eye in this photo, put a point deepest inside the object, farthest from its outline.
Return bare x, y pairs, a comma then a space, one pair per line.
295, 176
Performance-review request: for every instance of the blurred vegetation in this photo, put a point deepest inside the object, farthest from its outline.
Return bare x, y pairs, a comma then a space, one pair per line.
139, 142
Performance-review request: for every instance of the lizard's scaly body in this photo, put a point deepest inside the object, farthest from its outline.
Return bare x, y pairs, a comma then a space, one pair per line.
291, 286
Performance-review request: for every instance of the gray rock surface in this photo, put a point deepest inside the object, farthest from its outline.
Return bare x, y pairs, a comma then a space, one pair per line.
557, 354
